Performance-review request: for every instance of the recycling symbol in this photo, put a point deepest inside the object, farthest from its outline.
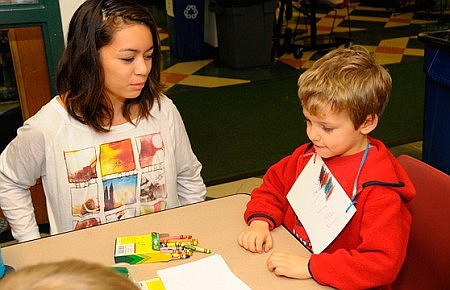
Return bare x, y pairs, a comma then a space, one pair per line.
191, 12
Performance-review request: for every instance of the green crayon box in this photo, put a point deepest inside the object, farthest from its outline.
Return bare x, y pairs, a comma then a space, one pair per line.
139, 249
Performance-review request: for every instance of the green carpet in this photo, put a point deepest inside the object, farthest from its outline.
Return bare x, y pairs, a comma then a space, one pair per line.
402, 121
239, 131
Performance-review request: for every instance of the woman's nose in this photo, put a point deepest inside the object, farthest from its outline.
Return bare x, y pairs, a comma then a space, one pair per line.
142, 67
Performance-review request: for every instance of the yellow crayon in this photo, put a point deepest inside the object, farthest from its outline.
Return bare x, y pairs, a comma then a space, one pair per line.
198, 249
191, 241
179, 244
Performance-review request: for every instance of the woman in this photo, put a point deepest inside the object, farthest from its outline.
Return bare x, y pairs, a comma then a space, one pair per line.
110, 145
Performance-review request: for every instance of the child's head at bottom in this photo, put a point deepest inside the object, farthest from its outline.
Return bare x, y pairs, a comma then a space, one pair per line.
66, 275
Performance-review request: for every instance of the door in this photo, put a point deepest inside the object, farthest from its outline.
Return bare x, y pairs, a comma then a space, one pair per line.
26, 86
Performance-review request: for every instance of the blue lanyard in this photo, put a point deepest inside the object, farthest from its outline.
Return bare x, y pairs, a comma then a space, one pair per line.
355, 184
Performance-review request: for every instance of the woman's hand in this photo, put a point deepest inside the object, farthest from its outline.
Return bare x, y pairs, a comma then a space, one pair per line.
256, 237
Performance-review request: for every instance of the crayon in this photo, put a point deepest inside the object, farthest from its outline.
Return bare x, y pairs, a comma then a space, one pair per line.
168, 250
198, 249
181, 255
177, 237
179, 244
190, 241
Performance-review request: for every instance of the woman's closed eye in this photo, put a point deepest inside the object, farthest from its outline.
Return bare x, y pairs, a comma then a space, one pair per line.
128, 59
131, 59
149, 56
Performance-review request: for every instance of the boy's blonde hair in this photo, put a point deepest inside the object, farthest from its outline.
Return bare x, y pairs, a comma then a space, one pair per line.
346, 79
66, 275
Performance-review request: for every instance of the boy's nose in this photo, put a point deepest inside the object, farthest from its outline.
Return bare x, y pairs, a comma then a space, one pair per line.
312, 133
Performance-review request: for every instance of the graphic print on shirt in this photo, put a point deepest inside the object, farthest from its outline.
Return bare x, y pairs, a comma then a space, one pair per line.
153, 194
119, 176
126, 185
82, 173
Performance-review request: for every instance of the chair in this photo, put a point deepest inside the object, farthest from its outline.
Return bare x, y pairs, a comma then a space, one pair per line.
312, 7
344, 4
428, 257
298, 40
283, 35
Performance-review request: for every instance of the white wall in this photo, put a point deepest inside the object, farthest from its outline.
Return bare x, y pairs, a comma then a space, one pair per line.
67, 9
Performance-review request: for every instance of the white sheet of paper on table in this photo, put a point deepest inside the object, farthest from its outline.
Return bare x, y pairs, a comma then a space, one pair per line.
208, 273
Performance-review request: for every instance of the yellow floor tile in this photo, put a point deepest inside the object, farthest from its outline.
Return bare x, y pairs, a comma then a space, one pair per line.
173, 78
368, 18
388, 58
414, 52
401, 42
210, 82
188, 67
405, 15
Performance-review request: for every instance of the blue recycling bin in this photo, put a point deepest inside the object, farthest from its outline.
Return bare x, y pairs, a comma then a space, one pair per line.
185, 23
436, 135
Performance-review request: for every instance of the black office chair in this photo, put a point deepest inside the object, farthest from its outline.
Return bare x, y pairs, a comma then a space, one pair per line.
335, 6
303, 39
283, 36
328, 5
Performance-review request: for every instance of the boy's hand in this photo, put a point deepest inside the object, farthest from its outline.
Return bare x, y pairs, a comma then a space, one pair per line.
256, 237
292, 266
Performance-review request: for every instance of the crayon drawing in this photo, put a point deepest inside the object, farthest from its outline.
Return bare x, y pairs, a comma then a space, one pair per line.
326, 181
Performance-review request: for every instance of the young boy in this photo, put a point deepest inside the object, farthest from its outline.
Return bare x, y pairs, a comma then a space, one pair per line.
67, 275
343, 194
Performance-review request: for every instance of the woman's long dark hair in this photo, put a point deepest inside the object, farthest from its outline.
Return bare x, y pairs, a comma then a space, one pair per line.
80, 76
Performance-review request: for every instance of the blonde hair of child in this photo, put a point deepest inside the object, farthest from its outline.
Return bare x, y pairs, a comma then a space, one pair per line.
66, 275
346, 79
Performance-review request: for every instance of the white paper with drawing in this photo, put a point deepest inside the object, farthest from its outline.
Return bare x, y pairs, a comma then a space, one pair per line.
320, 203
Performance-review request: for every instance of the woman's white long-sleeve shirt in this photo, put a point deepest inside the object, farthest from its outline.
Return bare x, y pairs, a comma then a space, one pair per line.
91, 178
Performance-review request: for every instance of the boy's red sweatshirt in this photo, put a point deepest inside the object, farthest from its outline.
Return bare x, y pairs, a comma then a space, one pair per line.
370, 250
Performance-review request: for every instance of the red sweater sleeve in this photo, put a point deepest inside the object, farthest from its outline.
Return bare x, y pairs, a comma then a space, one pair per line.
268, 202
383, 237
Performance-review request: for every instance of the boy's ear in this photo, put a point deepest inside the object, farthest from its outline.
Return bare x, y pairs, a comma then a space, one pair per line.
369, 124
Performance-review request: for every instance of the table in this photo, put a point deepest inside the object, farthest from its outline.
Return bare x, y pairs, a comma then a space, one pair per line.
216, 223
